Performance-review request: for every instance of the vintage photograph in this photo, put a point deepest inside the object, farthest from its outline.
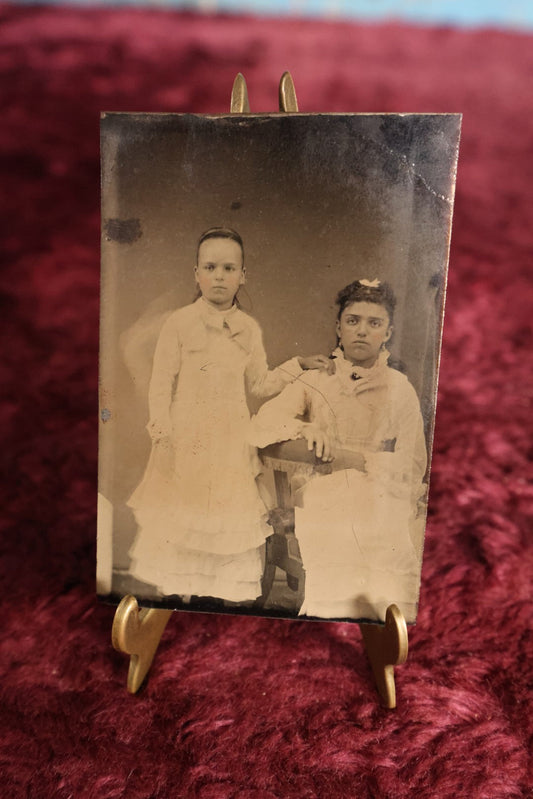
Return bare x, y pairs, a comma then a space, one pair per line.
271, 312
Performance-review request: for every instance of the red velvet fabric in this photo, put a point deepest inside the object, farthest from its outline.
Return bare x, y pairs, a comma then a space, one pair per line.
250, 708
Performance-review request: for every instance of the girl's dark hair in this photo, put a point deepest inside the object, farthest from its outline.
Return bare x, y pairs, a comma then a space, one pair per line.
381, 294
220, 233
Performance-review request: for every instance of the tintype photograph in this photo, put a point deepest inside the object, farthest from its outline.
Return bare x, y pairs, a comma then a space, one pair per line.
271, 312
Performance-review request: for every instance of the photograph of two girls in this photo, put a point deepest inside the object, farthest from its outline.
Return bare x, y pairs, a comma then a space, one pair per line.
271, 314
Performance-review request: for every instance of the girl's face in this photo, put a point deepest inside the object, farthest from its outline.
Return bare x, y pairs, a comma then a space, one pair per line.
219, 271
363, 329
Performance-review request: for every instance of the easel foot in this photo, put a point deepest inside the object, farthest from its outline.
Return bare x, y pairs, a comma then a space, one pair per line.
386, 646
137, 633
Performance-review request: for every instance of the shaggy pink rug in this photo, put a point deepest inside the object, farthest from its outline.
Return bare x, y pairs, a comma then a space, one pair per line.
258, 708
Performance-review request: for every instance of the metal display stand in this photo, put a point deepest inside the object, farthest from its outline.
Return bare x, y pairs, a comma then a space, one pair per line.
137, 632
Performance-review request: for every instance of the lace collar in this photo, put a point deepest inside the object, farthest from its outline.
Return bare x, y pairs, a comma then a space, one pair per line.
232, 318
349, 371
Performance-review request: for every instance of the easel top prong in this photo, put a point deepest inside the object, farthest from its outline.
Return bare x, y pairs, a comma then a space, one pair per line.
288, 104
239, 96
287, 94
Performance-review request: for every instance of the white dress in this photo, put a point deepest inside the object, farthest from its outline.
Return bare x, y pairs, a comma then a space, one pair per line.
201, 521
358, 531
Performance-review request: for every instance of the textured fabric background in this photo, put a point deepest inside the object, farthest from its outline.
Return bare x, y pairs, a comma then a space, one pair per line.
249, 708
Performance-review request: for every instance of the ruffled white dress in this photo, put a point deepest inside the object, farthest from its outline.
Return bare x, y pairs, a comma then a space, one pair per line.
359, 531
201, 521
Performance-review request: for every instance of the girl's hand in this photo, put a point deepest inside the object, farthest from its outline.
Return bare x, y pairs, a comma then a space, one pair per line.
164, 455
318, 440
157, 431
321, 362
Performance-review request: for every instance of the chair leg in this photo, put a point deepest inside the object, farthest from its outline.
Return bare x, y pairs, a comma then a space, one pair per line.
293, 582
269, 573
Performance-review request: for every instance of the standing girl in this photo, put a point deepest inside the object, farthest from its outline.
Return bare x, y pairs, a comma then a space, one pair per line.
201, 522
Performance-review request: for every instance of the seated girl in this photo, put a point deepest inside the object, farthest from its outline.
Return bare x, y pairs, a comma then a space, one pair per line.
357, 527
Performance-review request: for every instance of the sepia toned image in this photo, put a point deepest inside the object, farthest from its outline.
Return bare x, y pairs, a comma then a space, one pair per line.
271, 314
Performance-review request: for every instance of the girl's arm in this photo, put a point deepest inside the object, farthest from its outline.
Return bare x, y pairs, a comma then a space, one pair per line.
261, 381
277, 422
277, 419
166, 366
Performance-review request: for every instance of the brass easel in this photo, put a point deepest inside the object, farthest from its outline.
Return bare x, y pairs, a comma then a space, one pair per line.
137, 632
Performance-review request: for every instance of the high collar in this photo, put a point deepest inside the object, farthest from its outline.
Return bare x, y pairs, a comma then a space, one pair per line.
231, 318
349, 373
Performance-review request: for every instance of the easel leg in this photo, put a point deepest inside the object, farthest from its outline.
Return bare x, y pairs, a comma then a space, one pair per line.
137, 633
386, 648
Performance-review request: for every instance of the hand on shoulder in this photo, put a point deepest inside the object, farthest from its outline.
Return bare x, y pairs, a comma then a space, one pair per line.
320, 362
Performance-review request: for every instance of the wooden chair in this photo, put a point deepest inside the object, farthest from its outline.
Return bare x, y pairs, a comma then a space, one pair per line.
288, 460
